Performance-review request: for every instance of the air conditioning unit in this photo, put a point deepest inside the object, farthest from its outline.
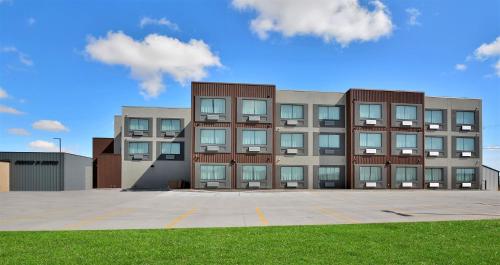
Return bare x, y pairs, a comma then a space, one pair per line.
466, 185
466, 154
212, 184
254, 149
137, 133
328, 123
370, 122
466, 128
254, 184
407, 184
292, 122
212, 148
371, 184
254, 118
433, 153
169, 134
137, 156
292, 184
329, 151
370, 151
406, 151
434, 185
329, 184
292, 151
407, 123
213, 117
433, 126
169, 157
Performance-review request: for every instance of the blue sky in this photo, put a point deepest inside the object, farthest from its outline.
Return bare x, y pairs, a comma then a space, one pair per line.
56, 80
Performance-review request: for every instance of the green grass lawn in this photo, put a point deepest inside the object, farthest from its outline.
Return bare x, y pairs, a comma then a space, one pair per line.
467, 242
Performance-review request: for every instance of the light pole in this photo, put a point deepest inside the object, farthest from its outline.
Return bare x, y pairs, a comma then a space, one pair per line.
59, 139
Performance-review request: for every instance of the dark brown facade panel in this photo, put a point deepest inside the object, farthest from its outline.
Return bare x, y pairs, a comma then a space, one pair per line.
212, 158
101, 146
212, 124
230, 89
244, 158
108, 171
386, 96
254, 125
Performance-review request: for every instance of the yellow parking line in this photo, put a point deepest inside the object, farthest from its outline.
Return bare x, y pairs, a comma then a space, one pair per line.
337, 215
98, 218
180, 218
262, 218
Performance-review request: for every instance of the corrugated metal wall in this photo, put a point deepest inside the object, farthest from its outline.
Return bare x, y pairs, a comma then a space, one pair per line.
35, 171
365, 95
233, 90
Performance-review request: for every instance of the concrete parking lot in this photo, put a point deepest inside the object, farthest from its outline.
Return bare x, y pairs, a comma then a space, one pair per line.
113, 209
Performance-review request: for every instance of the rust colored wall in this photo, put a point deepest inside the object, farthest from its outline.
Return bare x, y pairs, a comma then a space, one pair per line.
106, 165
233, 90
389, 97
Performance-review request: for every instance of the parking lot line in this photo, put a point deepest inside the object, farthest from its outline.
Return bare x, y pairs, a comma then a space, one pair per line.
180, 218
99, 218
262, 217
337, 215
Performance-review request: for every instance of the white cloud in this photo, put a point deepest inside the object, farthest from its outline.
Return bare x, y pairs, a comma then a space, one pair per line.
9, 110
344, 21
31, 21
413, 15
3, 93
160, 22
23, 58
461, 67
487, 50
44, 146
153, 57
18, 131
50, 125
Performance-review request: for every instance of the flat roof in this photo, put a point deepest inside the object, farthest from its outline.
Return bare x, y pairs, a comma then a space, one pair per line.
20, 152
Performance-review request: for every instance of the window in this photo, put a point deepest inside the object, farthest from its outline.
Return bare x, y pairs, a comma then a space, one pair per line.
434, 116
406, 141
434, 143
292, 173
170, 148
329, 173
368, 140
253, 137
170, 125
370, 173
251, 173
406, 112
466, 174
465, 144
213, 105
138, 148
465, 117
139, 124
404, 174
370, 111
433, 174
213, 136
212, 172
329, 141
292, 111
254, 107
292, 140
328, 113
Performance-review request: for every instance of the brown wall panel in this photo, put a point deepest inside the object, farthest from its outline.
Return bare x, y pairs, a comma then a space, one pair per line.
109, 171
102, 145
234, 91
389, 97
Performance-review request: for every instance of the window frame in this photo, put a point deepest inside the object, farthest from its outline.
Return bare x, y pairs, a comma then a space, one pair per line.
441, 170
253, 173
398, 106
370, 179
370, 104
405, 177
303, 170
291, 140
369, 146
293, 105
213, 105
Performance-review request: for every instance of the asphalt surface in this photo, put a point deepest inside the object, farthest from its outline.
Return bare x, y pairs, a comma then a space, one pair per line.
113, 209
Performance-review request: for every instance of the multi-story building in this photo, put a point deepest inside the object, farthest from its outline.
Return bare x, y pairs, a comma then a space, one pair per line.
240, 136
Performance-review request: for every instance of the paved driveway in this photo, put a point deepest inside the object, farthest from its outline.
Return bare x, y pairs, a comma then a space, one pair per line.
113, 209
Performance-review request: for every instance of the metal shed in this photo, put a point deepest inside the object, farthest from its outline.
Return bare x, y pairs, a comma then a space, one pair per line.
39, 171
490, 178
